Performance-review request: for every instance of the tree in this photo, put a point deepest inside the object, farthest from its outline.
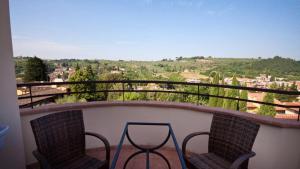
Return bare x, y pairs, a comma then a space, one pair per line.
243, 104
214, 91
267, 110
108, 86
221, 93
284, 97
133, 96
176, 77
85, 74
293, 87
65, 75
233, 93
77, 67
69, 99
179, 58
274, 86
35, 70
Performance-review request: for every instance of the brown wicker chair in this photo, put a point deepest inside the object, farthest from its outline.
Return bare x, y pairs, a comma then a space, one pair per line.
230, 144
60, 139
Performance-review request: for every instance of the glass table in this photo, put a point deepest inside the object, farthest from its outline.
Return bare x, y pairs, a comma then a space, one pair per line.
141, 156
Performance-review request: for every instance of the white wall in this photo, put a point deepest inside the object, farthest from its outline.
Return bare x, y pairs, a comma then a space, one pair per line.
276, 148
110, 122
12, 155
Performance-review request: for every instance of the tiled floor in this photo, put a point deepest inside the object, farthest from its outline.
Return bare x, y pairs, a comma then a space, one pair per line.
139, 161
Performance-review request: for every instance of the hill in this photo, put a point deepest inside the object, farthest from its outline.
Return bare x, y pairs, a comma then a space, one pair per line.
185, 66
277, 66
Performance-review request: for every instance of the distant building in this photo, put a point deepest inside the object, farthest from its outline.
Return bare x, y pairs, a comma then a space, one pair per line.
253, 107
22, 91
280, 83
192, 80
153, 86
263, 78
246, 81
292, 110
40, 91
71, 72
115, 72
298, 85
56, 80
278, 79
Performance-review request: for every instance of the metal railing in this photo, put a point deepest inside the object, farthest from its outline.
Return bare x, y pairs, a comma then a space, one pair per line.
125, 87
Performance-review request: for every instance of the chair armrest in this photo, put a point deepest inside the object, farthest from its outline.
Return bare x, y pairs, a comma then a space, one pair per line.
188, 137
106, 144
236, 164
42, 160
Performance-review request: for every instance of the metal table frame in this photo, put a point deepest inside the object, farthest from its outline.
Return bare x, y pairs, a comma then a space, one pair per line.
147, 150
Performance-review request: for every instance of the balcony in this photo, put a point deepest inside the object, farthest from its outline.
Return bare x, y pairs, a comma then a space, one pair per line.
275, 146
276, 143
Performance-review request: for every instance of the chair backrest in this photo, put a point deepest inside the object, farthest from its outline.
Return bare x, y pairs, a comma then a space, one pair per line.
60, 136
231, 136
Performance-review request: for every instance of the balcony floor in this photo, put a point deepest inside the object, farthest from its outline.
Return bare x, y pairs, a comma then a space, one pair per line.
138, 162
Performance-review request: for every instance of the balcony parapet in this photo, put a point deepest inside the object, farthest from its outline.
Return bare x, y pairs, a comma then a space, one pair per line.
185, 106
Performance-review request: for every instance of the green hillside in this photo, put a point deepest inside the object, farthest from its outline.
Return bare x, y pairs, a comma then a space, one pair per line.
277, 66
199, 65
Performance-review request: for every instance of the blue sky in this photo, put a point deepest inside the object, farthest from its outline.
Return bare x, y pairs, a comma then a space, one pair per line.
155, 29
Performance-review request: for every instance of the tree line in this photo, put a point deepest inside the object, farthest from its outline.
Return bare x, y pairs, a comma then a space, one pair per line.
232, 104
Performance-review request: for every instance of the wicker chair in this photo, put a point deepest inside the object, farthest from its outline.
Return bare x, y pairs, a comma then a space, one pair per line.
230, 144
60, 139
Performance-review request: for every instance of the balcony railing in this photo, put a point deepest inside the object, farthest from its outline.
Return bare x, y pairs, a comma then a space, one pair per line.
126, 86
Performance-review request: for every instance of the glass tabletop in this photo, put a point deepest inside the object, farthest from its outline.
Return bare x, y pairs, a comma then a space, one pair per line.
137, 156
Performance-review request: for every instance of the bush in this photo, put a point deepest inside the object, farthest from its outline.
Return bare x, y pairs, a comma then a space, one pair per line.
69, 99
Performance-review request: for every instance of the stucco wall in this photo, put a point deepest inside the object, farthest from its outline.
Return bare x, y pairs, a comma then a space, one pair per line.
12, 155
276, 147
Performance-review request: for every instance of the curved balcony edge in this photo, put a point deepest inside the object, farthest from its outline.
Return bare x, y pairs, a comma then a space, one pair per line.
186, 106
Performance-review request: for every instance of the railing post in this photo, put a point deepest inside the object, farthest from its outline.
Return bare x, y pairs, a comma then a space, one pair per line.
298, 115
198, 94
123, 91
68, 91
147, 159
106, 91
30, 93
238, 106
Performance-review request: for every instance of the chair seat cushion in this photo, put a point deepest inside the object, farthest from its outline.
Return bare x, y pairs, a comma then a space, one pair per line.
208, 161
84, 162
